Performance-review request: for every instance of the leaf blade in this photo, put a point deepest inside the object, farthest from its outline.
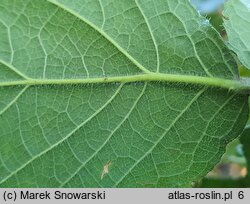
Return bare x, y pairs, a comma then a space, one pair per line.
65, 135
237, 28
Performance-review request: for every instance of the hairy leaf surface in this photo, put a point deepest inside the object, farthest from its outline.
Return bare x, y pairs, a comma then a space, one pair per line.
107, 93
238, 28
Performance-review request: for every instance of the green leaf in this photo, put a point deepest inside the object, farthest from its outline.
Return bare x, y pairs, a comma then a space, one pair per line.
248, 122
234, 153
225, 183
113, 94
238, 28
244, 72
245, 140
233, 183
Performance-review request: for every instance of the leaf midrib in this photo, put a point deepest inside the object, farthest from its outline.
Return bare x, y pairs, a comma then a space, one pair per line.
239, 85
146, 75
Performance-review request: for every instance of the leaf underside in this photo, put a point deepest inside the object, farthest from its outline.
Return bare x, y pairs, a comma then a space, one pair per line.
140, 134
238, 28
